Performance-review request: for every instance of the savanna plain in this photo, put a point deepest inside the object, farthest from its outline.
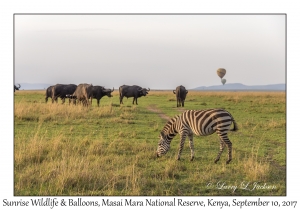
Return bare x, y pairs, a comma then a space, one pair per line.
62, 149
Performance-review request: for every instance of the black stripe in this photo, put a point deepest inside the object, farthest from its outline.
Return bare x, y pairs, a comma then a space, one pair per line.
206, 115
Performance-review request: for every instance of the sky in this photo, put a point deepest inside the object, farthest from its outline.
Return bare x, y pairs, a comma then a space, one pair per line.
153, 51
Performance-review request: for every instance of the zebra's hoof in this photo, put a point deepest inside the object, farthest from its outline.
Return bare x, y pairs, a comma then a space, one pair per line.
192, 158
228, 161
216, 160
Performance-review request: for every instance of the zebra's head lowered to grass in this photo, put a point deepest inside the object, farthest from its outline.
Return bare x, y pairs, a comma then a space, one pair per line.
163, 145
166, 135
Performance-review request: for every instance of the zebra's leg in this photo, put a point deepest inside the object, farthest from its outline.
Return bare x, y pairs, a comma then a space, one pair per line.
182, 140
225, 139
192, 147
229, 146
222, 146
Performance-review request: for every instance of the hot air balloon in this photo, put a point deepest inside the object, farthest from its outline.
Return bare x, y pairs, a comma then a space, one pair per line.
223, 81
221, 72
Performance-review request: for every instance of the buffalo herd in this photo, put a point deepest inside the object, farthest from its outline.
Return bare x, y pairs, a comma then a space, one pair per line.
82, 93
85, 93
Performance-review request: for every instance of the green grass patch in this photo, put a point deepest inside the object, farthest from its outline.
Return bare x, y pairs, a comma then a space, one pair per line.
62, 149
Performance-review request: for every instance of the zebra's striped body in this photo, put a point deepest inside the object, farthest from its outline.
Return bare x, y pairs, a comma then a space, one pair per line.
201, 123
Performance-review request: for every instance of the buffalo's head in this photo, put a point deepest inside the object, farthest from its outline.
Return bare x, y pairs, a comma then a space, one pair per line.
108, 92
17, 88
143, 91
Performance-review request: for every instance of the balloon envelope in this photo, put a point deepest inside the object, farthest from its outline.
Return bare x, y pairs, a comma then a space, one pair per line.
221, 72
223, 81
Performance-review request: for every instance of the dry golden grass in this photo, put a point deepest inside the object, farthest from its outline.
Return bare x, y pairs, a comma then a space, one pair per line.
110, 150
255, 167
50, 112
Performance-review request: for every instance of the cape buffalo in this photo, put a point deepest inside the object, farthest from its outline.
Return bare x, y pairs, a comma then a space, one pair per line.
99, 91
180, 93
61, 91
83, 93
132, 91
17, 88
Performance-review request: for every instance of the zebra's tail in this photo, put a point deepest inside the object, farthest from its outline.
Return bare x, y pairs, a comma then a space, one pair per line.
235, 127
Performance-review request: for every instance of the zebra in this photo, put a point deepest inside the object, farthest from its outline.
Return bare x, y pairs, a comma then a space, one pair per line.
201, 123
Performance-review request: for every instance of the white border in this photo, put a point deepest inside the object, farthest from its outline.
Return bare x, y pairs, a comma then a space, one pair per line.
8, 8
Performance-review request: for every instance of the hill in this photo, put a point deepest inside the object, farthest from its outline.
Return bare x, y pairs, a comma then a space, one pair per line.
239, 86
230, 87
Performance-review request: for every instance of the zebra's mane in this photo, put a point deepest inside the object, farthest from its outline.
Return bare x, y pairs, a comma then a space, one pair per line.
169, 124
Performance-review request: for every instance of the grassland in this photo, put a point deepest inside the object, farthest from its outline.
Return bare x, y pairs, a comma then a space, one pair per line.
62, 149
